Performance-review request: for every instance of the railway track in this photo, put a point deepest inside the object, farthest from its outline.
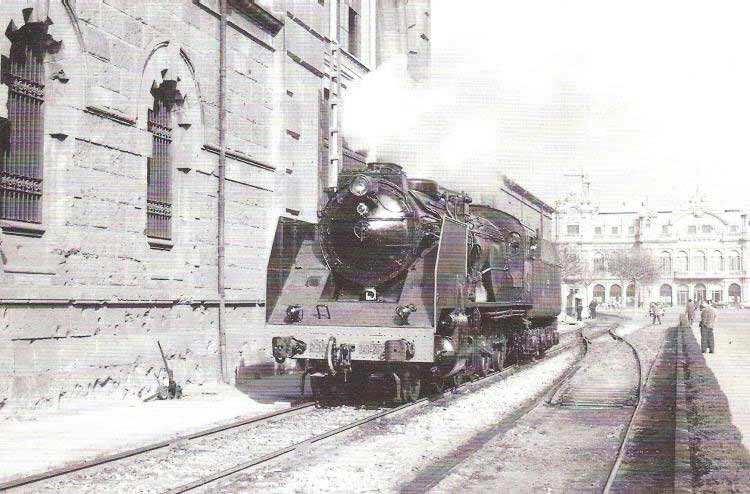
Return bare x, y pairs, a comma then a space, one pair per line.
81, 473
601, 390
589, 403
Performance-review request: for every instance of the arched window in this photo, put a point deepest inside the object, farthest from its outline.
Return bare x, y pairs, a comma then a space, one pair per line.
717, 262
734, 261
700, 293
599, 294
630, 295
22, 134
665, 294
683, 294
666, 263
159, 167
683, 262
700, 261
735, 293
599, 263
615, 293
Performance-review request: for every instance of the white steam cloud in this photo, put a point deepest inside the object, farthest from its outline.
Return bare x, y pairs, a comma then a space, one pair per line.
460, 128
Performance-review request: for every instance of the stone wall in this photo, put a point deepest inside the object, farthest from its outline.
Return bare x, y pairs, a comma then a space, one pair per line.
86, 295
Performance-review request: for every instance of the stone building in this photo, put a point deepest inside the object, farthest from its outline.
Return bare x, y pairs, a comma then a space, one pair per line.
110, 146
701, 251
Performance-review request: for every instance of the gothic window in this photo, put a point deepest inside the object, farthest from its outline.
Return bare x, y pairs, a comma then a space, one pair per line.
700, 261
159, 166
599, 293
735, 293
683, 262
734, 261
599, 263
717, 262
700, 293
665, 294
22, 134
666, 263
615, 292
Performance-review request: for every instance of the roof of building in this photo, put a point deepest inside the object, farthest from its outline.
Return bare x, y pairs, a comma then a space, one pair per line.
520, 190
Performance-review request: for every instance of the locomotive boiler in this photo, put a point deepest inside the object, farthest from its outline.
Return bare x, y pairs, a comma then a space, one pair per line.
404, 284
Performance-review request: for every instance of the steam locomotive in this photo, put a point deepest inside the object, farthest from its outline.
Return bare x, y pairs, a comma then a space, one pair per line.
405, 285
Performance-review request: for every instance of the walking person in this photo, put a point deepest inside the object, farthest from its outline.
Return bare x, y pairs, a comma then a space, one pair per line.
690, 311
579, 309
708, 321
592, 309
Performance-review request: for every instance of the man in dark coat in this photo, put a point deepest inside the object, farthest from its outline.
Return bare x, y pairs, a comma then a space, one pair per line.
592, 308
579, 309
708, 320
690, 311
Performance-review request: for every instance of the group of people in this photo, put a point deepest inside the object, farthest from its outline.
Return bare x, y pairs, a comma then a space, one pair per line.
706, 323
656, 311
579, 309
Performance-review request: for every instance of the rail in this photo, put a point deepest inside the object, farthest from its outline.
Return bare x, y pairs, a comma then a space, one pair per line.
629, 431
150, 448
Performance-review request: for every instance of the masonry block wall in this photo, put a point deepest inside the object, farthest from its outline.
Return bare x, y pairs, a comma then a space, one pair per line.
86, 294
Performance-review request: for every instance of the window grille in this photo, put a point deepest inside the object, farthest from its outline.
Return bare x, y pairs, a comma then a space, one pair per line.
22, 152
159, 175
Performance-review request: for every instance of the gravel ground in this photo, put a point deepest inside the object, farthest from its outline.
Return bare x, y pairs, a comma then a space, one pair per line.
54, 438
192, 460
380, 456
554, 449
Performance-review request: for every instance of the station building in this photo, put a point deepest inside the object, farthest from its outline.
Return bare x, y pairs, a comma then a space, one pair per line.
701, 251
111, 137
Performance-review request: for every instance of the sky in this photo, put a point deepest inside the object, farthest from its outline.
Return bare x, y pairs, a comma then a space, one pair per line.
650, 99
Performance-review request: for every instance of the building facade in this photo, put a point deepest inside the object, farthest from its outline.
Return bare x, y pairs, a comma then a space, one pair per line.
113, 114
701, 251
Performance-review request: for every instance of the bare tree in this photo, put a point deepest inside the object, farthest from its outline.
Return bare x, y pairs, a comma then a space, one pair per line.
575, 269
633, 266
571, 263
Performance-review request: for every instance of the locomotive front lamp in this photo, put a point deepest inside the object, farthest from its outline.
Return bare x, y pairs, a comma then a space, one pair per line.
361, 185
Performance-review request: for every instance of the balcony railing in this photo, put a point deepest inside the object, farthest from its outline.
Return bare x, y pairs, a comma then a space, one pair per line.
708, 274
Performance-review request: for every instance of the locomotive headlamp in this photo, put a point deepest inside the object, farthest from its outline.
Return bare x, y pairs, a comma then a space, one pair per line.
362, 209
361, 185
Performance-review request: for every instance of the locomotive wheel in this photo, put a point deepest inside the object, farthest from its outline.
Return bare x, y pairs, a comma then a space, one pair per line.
482, 364
411, 385
498, 359
438, 386
322, 388
458, 379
